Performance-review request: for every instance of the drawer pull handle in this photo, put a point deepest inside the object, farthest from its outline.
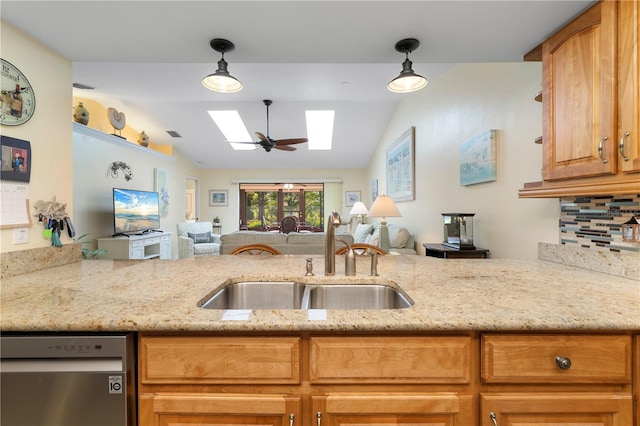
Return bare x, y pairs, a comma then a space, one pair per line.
492, 416
291, 417
604, 160
563, 362
621, 146
319, 418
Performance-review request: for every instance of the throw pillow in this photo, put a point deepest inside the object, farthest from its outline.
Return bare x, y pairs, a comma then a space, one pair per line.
204, 237
374, 239
398, 237
362, 232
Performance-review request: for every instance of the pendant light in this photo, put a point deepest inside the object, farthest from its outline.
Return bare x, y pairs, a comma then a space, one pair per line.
221, 81
408, 81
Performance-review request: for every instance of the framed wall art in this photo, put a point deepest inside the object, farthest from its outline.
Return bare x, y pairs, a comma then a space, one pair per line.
478, 159
16, 159
352, 197
400, 163
218, 197
374, 190
161, 186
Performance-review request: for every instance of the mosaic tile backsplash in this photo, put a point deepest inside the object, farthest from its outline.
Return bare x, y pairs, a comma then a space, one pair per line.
596, 222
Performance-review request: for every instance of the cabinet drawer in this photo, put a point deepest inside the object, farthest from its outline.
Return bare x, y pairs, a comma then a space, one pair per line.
532, 359
441, 359
200, 360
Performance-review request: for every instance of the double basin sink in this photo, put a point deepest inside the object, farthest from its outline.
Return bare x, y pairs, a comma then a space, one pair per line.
296, 295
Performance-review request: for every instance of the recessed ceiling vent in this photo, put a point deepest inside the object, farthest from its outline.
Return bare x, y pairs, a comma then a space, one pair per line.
83, 86
174, 134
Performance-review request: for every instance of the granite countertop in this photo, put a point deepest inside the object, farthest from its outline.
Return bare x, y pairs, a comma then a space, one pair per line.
449, 295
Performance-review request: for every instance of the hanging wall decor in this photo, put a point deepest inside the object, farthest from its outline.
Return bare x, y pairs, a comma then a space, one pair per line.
161, 186
478, 159
400, 167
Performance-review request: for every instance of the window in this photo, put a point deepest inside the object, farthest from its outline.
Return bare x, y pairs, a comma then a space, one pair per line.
262, 206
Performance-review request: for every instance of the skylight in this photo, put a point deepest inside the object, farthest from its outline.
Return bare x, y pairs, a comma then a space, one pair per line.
320, 129
233, 129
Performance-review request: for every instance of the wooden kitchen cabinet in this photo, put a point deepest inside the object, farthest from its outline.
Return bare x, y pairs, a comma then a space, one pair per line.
543, 372
553, 409
389, 379
216, 380
164, 409
590, 95
442, 409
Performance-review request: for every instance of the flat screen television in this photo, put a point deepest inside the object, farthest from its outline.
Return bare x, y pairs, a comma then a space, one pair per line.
135, 212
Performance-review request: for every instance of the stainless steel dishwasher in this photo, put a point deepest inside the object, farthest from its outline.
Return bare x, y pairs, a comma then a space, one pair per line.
67, 380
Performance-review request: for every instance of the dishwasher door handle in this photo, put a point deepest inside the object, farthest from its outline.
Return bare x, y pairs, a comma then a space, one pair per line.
61, 365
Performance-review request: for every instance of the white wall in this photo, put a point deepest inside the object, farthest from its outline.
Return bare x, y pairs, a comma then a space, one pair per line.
459, 105
49, 130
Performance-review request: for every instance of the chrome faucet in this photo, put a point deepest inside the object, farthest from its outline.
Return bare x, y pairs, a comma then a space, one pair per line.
330, 244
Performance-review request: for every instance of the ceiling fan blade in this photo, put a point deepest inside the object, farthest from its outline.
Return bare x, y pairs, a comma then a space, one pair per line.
291, 141
262, 137
285, 147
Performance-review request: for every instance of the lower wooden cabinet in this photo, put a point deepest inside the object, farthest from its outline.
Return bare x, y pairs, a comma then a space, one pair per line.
466, 379
556, 409
181, 409
441, 409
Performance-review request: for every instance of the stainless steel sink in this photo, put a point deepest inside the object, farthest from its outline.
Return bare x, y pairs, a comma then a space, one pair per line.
294, 295
359, 296
257, 295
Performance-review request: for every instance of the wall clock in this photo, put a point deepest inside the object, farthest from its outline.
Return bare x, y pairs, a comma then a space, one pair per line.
17, 99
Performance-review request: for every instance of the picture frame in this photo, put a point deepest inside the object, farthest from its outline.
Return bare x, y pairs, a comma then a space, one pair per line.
218, 197
351, 197
478, 161
374, 190
400, 167
16, 159
161, 186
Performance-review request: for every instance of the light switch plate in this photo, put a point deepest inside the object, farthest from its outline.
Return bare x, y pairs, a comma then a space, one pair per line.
20, 235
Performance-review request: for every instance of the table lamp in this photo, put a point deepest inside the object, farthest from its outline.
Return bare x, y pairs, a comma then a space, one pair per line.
384, 207
360, 209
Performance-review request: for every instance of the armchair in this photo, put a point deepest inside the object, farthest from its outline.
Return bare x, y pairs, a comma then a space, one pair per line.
197, 239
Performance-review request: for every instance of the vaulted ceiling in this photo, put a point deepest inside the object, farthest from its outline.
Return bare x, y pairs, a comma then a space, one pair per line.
147, 59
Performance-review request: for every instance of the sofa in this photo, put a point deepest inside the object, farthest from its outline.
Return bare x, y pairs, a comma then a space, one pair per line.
197, 239
401, 241
291, 243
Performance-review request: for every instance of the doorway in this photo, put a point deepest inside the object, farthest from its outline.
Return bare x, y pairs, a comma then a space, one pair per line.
191, 198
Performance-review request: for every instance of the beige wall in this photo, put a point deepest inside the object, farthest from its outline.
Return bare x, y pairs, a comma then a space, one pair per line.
461, 104
49, 130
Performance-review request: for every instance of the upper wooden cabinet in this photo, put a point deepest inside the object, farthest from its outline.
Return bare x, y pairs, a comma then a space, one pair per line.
590, 105
629, 86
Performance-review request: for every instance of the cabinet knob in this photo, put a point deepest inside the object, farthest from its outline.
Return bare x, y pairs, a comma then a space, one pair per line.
604, 160
563, 362
621, 146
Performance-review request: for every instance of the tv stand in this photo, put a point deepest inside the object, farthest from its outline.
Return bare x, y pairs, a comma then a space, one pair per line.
137, 246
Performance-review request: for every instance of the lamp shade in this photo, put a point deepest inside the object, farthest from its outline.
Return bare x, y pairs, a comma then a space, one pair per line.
408, 81
384, 206
359, 208
221, 81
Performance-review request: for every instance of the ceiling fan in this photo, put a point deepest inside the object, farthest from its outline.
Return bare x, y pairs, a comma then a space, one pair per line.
268, 143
